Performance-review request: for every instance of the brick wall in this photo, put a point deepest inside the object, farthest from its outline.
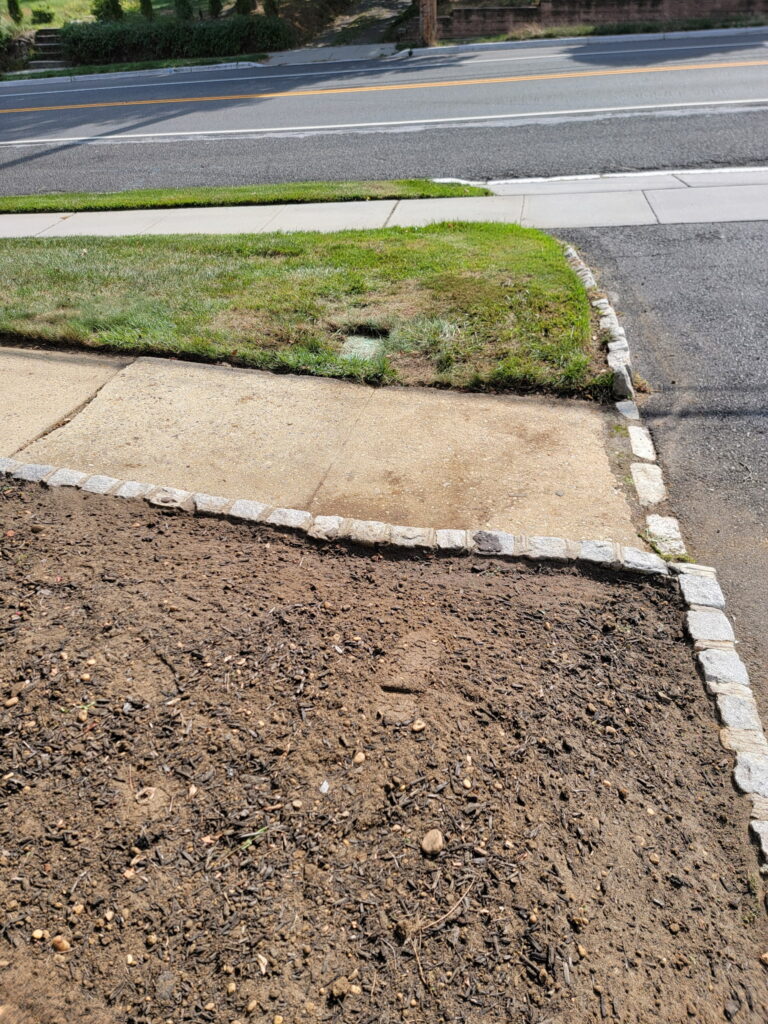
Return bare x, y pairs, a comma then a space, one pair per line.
459, 21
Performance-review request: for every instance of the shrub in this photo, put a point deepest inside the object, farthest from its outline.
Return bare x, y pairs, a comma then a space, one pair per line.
167, 38
308, 17
14, 11
146, 9
42, 15
272, 8
15, 48
214, 8
107, 10
183, 9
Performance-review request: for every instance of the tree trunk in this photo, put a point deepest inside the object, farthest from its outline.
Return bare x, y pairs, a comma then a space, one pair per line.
428, 22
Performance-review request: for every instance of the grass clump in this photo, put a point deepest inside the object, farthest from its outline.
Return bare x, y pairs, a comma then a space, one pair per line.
237, 195
459, 305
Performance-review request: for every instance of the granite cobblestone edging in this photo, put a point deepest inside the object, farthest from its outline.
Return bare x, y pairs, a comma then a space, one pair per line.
725, 676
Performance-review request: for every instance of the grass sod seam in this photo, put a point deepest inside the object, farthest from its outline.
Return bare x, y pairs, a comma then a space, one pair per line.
237, 195
480, 306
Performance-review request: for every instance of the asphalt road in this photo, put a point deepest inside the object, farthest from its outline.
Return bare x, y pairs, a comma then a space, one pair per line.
576, 108
693, 299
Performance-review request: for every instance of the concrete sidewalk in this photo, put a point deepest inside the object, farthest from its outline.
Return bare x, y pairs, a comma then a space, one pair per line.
621, 200
413, 456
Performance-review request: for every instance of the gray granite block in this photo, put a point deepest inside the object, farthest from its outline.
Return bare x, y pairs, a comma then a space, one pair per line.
66, 478
210, 504
99, 484
253, 511
134, 489
649, 483
722, 668
751, 773
628, 409
641, 443
664, 532
325, 527
292, 518
709, 625
702, 590
643, 561
412, 537
452, 540
32, 472
599, 552
739, 712
366, 531
493, 542
171, 497
549, 548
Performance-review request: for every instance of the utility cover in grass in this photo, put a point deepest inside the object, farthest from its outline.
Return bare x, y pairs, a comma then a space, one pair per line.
357, 346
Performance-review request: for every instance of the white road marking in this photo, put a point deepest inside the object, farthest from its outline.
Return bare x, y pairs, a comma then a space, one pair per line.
358, 125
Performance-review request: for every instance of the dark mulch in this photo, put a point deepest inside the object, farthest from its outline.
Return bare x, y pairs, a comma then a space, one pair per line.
181, 802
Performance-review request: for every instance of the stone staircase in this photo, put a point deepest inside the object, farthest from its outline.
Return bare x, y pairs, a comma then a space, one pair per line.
47, 50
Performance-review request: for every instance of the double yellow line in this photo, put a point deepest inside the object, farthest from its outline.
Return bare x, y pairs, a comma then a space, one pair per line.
392, 88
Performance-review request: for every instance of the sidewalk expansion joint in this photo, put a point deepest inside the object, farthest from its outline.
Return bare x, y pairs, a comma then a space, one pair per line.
73, 413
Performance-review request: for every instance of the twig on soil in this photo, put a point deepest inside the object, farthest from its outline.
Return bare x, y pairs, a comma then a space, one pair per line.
447, 914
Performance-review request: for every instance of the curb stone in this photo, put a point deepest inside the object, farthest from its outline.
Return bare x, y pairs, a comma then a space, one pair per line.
486, 543
663, 531
724, 674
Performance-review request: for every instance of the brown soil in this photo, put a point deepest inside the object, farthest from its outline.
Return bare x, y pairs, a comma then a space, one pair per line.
183, 801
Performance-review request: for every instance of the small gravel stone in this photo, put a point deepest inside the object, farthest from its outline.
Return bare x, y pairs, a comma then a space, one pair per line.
359, 757
432, 843
60, 944
419, 725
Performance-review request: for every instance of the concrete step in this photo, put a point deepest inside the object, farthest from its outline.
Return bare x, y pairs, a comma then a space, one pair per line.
46, 65
47, 33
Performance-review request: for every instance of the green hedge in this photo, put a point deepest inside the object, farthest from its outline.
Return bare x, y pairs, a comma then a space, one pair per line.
128, 41
15, 47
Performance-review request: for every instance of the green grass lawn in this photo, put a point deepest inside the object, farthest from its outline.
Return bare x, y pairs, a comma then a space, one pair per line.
462, 305
80, 10
238, 195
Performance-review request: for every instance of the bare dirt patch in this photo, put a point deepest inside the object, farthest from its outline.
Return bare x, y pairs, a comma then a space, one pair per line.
223, 747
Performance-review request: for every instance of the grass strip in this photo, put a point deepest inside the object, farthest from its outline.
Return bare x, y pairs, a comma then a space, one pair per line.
143, 65
237, 195
454, 305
